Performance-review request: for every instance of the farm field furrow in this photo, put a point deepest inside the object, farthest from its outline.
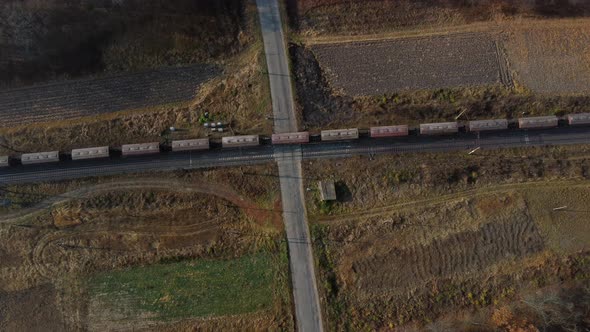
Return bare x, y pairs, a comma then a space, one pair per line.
71, 99
378, 67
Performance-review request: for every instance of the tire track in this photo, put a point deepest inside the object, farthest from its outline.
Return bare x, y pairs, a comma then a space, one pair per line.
51, 270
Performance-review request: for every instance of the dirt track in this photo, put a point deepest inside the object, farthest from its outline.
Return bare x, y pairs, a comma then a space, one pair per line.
219, 190
80, 98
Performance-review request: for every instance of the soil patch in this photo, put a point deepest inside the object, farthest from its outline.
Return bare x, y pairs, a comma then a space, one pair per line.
376, 68
31, 310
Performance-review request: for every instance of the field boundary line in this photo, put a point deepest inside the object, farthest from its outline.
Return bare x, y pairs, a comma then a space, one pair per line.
487, 27
482, 27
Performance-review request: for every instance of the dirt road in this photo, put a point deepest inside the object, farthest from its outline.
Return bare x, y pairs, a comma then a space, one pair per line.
250, 208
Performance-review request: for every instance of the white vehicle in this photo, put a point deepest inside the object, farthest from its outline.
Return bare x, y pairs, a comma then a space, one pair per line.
90, 153
40, 157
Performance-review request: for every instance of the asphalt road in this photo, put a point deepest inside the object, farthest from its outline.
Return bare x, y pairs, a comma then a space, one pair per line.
303, 278
267, 154
308, 312
277, 62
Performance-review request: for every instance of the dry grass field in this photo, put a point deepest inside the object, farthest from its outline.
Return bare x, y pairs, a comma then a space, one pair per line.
350, 17
382, 67
553, 58
365, 63
191, 250
416, 240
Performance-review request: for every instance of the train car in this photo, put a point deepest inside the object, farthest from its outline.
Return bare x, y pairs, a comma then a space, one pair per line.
191, 144
39, 157
340, 134
140, 149
485, 125
439, 128
90, 153
240, 141
389, 131
578, 119
4, 161
291, 138
538, 122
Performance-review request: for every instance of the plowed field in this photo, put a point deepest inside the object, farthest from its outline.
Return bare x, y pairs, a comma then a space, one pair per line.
379, 67
80, 98
454, 255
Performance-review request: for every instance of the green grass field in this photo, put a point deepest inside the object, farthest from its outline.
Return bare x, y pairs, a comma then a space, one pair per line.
197, 288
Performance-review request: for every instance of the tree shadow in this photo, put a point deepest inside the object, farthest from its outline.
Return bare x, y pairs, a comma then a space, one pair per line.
343, 193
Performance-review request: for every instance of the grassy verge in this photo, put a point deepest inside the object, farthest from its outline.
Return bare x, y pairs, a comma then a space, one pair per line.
199, 288
334, 304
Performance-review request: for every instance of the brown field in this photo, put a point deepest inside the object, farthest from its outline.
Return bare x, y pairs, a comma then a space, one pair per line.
552, 59
85, 98
414, 239
48, 249
376, 68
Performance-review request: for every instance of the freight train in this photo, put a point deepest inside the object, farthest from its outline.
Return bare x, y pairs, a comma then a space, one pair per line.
442, 128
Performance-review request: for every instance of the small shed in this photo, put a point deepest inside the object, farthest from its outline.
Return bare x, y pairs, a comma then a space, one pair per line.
327, 190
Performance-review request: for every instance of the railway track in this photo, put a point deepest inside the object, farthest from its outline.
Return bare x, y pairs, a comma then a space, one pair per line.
267, 153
